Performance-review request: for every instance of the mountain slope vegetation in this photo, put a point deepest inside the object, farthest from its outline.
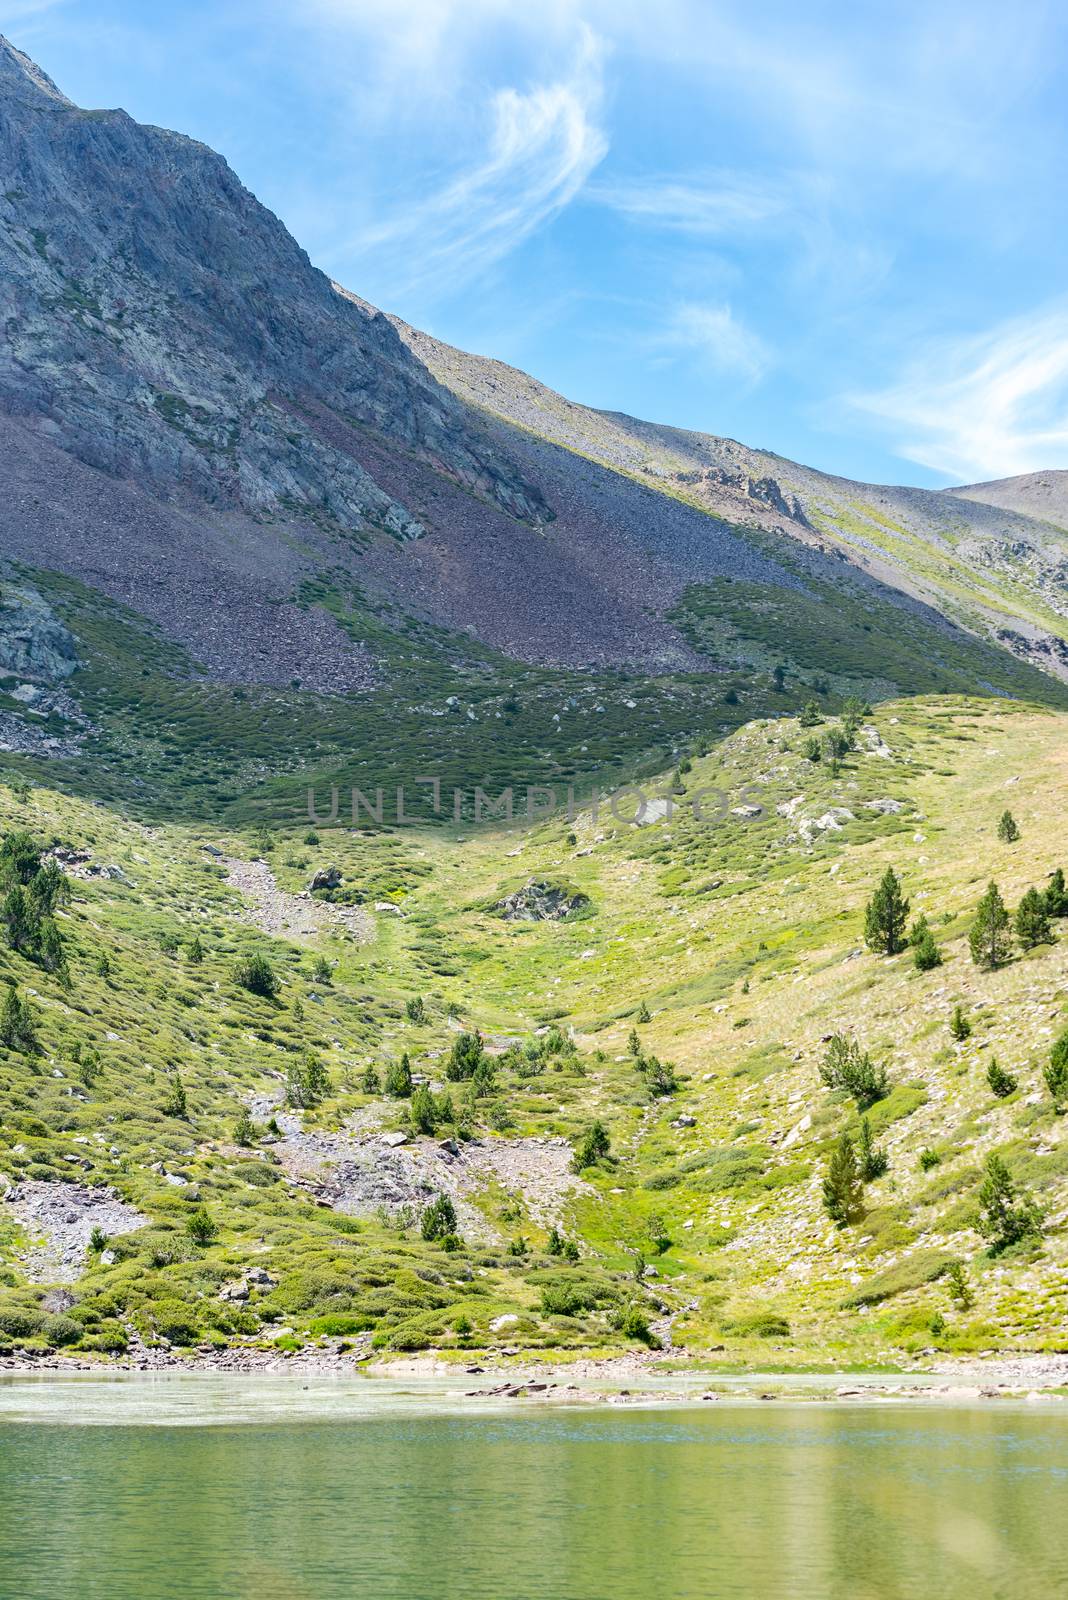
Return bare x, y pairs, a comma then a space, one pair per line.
274, 1163
669, 1064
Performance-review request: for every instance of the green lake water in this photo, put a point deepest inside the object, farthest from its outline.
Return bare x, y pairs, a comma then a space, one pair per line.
786, 1500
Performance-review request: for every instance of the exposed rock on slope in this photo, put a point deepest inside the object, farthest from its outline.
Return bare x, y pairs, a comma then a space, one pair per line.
194, 420
1041, 495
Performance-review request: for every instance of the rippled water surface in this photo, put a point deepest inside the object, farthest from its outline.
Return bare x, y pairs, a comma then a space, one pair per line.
308, 1500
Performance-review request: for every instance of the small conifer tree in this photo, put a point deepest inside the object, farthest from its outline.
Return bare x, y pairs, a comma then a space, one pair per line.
1008, 831
399, 1078
175, 1104
1031, 923
245, 1129
1002, 1083
1056, 895
959, 1026
843, 1187
925, 952
1006, 1215
1055, 1071
989, 936
886, 916
872, 1161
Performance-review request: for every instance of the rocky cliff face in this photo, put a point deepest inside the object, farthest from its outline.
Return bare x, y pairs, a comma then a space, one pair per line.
195, 421
161, 324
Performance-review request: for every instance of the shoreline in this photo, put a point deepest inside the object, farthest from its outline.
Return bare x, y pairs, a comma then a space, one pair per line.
263, 1385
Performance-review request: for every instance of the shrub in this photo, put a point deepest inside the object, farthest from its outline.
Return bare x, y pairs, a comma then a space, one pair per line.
846, 1066
633, 1324
201, 1228
438, 1221
256, 974
465, 1057
758, 1324
591, 1147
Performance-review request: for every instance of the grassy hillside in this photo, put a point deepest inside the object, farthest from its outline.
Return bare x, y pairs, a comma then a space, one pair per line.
141, 726
739, 938
991, 557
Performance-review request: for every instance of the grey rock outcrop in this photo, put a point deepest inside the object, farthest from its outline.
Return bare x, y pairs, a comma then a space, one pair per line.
542, 901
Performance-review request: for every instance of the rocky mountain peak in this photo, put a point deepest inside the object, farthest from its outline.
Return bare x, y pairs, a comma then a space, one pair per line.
19, 73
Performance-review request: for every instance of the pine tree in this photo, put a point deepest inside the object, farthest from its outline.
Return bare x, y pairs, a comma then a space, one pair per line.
590, 1147
812, 749
245, 1129
837, 743
634, 1044
194, 951
256, 974
48, 889
369, 1081
1055, 1071
925, 952
1008, 832
811, 716
886, 916
959, 1026
20, 920
399, 1078
464, 1057
415, 1010
424, 1111
50, 949
438, 1221
1057, 895
989, 936
18, 1024
175, 1103
314, 1078
843, 1187
201, 1228
846, 1066
1005, 1214
872, 1161
1031, 924
1001, 1083
644, 1014
960, 1290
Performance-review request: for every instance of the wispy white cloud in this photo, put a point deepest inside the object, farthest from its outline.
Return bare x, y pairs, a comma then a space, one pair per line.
722, 203
988, 406
541, 146
716, 338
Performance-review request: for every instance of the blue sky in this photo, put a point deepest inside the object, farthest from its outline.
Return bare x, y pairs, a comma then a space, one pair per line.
833, 230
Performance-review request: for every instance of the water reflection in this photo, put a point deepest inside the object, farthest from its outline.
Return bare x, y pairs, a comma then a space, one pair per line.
799, 1503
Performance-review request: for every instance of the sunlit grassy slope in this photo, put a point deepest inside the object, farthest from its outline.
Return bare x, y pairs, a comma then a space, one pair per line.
742, 937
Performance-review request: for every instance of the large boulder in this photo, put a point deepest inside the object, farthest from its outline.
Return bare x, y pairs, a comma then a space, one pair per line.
542, 901
326, 878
